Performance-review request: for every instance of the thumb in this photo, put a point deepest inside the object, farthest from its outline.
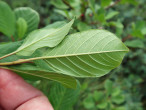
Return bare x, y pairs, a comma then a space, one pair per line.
15, 93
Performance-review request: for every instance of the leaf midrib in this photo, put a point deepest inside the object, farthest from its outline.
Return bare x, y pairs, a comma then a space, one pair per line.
90, 53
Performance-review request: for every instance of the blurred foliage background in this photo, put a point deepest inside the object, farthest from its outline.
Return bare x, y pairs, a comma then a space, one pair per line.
124, 88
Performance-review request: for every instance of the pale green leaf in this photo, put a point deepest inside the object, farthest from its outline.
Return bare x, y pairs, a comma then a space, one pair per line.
63, 98
89, 53
21, 27
57, 24
31, 17
43, 38
7, 19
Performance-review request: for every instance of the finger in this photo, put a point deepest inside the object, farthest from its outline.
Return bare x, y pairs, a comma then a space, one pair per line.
15, 92
38, 103
1, 108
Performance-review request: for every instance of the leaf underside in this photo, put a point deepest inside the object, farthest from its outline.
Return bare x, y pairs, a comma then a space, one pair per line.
46, 37
29, 72
86, 54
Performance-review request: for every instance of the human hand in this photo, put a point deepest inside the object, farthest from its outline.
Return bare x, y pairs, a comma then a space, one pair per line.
16, 94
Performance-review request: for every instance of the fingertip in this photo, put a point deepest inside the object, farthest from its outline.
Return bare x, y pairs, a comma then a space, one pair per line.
38, 103
14, 90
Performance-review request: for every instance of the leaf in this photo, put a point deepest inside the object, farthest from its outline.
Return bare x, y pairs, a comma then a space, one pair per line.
30, 16
56, 25
21, 27
7, 19
105, 2
12, 47
119, 27
30, 72
102, 105
118, 99
89, 53
63, 98
88, 102
59, 4
98, 95
111, 14
135, 43
108, 86
83, 26
5, 50
43, 38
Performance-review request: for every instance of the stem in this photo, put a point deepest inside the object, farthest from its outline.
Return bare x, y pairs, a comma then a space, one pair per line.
47, 57
7, 55
19, 61
115, 3
12, 38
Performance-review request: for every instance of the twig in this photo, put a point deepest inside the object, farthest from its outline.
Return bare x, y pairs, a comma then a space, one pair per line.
65, 2
113, 4
12, 38
126, 38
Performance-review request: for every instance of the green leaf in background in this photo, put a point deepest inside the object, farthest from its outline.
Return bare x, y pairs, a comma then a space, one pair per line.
105, 3
111, 14
108, 86
63, 98
21, 27
7, 20
119, 27
121, 108
98, 95
88, 53
138, 29
116, 92
101, 15
59, 4
83, 26
135, 43
49, 37
64, 13
30, 16
118, 99
88, 102
102, 105
30, 72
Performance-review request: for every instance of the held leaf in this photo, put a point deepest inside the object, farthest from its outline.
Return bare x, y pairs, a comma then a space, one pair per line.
31, 72
86, 54
46, 37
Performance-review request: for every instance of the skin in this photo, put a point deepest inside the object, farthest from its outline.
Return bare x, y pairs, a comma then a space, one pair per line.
16, 94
